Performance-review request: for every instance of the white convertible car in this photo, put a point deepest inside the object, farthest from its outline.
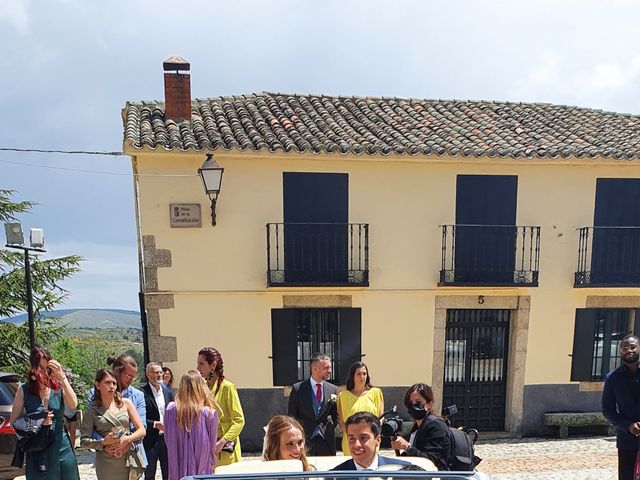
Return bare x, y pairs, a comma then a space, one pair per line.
292, 470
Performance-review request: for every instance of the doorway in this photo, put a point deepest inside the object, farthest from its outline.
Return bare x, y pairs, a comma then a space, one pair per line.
475, 367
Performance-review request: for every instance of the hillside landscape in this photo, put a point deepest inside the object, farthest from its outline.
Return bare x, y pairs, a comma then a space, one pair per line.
88, 336
89, 318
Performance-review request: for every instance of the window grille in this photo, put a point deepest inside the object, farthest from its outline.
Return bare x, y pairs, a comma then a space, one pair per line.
317, 332
611, 326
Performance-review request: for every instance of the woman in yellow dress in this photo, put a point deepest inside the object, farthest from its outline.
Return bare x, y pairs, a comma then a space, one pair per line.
359, 396
230, 415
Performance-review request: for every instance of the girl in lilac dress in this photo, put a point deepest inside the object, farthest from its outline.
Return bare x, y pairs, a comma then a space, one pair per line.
191, 428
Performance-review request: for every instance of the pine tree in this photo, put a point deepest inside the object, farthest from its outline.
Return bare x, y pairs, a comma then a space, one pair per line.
46, 276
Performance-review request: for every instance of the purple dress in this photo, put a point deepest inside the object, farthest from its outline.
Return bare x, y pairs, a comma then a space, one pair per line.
192, 452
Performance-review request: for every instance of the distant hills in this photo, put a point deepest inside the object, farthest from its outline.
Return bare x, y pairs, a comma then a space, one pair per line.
90, 318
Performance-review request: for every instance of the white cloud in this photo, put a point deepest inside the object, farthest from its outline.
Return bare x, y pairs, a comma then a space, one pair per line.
558, 79
108, 277
14, 12
548, 70
609, 76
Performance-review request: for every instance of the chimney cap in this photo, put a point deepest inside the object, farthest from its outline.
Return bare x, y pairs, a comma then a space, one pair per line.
175, 63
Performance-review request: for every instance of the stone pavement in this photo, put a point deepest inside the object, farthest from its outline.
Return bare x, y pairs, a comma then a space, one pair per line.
575, 458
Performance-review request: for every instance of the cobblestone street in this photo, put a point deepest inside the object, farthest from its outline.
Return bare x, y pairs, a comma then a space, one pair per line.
583, 458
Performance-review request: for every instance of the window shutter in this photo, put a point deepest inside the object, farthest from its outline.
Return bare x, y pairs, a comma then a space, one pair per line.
350, 325
284, 344
583, 338
636, 323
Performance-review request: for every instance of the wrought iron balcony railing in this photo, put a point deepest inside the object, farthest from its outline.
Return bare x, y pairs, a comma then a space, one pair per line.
490, 255
608, 257
317, 254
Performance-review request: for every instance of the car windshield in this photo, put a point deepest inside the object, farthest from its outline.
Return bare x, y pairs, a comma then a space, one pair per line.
381, 474
7, 393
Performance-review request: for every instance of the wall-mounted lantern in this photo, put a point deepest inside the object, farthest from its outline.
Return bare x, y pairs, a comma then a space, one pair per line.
211, 174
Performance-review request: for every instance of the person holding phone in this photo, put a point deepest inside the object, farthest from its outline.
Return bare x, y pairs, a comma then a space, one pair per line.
231, 415
110, 416
48, 390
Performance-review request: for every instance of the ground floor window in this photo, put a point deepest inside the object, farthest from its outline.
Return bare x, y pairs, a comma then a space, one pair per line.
298, 333
597, 337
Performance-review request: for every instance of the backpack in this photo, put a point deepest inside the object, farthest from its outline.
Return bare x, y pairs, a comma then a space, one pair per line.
462, 455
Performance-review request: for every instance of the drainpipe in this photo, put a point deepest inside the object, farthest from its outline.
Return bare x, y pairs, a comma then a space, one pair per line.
143, 310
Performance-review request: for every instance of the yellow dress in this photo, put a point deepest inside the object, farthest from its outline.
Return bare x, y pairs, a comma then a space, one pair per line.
231, 420
371, 401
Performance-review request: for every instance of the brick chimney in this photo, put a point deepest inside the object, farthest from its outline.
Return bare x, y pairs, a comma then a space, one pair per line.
177, 89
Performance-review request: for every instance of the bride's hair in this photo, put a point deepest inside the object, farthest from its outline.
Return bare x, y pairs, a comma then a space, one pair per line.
277, 425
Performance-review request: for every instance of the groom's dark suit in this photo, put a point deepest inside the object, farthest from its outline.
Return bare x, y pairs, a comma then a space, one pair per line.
319, 429
350, 464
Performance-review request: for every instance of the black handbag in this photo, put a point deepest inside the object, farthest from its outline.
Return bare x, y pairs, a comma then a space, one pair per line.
33, 437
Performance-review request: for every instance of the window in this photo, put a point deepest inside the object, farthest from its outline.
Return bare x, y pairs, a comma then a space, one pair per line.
615, 254
297, 333
597, 337
317, 331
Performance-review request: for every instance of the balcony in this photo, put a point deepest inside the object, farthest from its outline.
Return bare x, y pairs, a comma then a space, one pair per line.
608, 257
318, 254
490, 255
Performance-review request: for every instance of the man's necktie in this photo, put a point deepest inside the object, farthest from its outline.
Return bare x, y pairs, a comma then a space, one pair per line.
318, 392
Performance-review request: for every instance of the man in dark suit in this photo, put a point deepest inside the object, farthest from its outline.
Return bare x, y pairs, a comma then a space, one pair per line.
363, 432
313, 403
156, 398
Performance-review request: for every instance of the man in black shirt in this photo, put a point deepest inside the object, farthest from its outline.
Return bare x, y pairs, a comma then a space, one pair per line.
621, 405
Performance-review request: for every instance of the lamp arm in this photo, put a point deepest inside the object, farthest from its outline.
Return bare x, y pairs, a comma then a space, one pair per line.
213, 210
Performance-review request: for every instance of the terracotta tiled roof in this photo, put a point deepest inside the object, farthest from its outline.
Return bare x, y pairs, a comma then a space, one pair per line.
365, 125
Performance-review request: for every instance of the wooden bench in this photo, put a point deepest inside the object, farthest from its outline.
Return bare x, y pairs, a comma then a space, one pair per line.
576, 419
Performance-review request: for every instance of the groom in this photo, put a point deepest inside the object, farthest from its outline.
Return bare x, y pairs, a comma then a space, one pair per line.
313, 403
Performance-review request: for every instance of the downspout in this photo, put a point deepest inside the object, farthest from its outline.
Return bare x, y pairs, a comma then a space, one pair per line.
143, 311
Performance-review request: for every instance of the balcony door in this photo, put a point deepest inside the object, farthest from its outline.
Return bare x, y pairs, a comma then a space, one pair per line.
316, 214
485, 228
616, 235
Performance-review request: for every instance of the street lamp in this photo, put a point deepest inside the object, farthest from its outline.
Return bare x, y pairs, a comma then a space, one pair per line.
211, 174
15, 239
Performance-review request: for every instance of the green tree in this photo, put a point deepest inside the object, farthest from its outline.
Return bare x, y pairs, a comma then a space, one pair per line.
46, 276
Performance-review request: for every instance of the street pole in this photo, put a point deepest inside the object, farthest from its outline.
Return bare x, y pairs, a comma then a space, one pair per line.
27, 276
15, 239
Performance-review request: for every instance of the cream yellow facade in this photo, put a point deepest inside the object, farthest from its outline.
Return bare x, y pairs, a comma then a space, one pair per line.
217, 275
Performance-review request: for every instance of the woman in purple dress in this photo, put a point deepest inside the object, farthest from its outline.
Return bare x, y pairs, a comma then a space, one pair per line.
191, 428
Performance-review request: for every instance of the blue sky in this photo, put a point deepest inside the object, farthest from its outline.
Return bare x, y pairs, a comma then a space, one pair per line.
69, 66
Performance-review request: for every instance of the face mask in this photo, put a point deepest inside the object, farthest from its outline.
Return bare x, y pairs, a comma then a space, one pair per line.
417, 411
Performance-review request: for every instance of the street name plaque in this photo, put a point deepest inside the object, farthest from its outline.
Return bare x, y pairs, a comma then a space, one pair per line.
185, 215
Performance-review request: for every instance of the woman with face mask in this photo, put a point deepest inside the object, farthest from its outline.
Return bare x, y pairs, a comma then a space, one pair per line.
429, 436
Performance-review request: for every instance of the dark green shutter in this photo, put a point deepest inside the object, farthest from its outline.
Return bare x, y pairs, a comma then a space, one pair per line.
350, 328
636, 324
284, 344
583, 339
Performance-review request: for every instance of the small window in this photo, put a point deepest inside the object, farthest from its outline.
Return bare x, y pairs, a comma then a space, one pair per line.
597, 337
317, 331
611, 327
298, 333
